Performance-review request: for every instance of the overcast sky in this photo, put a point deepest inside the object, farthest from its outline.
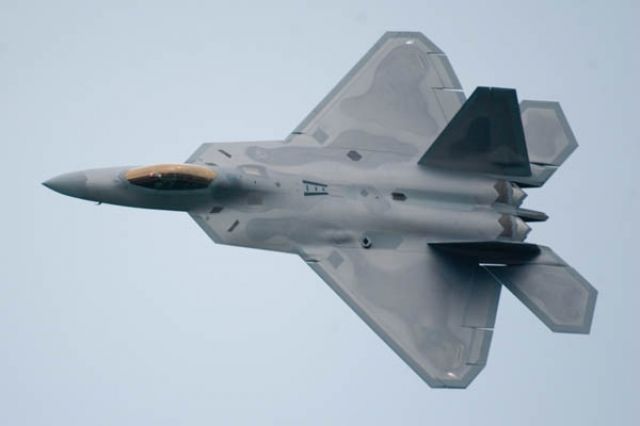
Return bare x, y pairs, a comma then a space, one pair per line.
116, 316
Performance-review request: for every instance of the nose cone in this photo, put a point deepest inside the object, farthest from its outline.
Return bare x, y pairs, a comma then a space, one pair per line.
71, 184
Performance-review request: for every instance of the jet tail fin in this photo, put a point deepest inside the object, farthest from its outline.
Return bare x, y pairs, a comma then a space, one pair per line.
560, 297
485, 136
494, 135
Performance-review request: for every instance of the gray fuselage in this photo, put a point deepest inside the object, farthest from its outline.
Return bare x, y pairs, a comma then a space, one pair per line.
414, 205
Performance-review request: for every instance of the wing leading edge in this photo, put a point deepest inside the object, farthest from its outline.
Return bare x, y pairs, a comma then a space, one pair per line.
396, 99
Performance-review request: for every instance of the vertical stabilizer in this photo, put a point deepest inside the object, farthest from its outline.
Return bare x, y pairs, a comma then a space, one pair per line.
485, 136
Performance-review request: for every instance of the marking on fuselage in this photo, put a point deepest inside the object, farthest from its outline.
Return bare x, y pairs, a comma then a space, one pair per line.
320, 135
233, 226
398, 196
335, 259
314, 188
354, 155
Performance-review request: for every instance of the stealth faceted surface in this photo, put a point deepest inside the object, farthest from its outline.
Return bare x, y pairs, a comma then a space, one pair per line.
548, 134
366, 239
131, 317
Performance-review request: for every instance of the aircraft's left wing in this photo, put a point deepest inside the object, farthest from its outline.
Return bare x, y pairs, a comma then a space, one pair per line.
397, 99
436, 311
389, 108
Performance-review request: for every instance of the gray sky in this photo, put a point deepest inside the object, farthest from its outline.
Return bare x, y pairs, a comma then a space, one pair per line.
121, 316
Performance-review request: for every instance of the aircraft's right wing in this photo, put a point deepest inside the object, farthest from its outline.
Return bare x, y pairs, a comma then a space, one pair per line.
436, 311
397, 99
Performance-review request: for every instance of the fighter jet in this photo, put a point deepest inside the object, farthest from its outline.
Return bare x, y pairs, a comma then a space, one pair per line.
401, 193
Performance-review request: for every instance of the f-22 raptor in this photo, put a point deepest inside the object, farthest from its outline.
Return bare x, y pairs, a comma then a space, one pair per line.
401, 193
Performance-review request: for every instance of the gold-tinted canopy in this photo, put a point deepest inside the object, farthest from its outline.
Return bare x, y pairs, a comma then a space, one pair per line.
171, 176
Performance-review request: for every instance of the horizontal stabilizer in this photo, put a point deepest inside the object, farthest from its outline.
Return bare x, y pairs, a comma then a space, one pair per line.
485, 136
549, 138
559, 296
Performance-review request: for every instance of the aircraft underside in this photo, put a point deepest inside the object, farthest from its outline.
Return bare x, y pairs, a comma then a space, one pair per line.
398, 191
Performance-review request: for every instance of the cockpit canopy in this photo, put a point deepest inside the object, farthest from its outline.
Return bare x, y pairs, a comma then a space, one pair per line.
171, 176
